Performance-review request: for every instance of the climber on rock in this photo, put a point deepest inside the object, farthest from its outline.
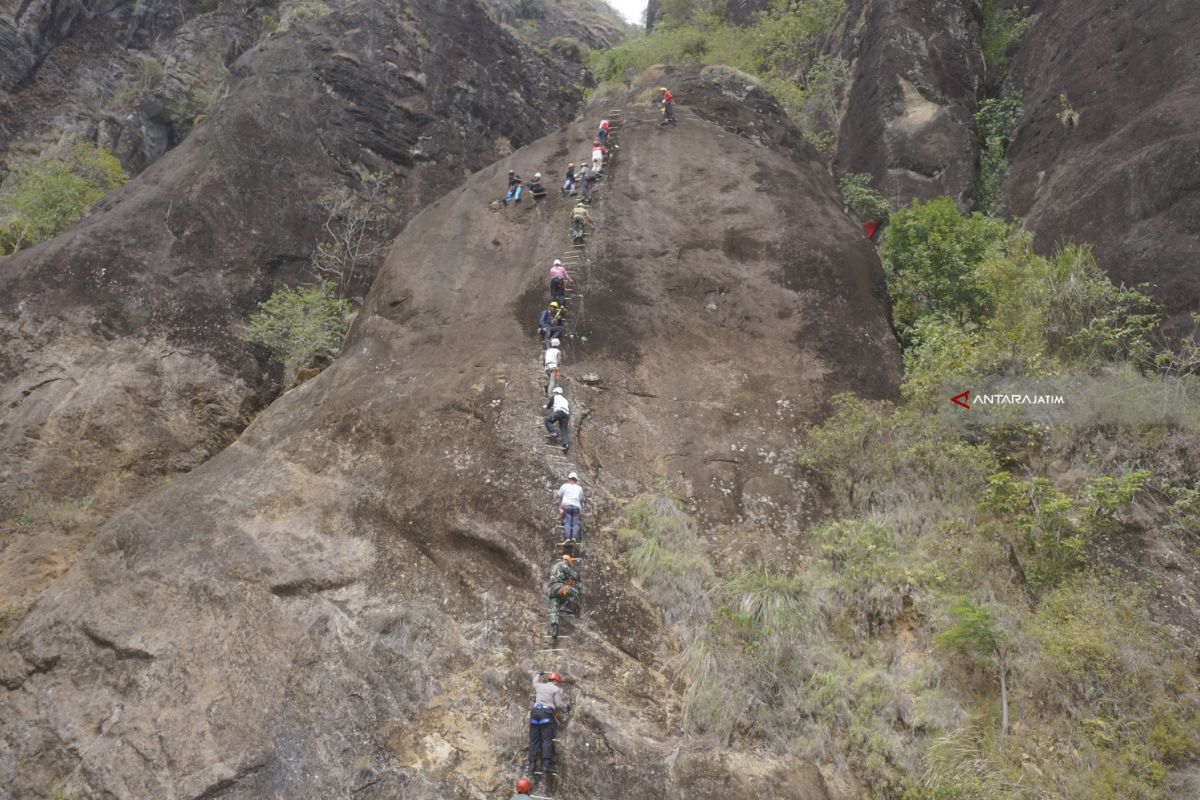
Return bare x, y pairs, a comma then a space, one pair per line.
570, 507
589, 183
514, 188
599, 151
543, 720
550, 362
535, 187
522, 789
558, 281
551, 323
564, 594
580, 219
569, 180
560, 416
602, 134
668, 110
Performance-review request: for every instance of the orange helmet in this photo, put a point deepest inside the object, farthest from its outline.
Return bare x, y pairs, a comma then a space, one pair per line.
554, 676
524, 785
569, 559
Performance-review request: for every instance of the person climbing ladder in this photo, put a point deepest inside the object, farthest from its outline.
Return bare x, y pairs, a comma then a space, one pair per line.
543, 720
580, 219
570, 507
560, 416
558, 281
551, 323
550, 364
563, 593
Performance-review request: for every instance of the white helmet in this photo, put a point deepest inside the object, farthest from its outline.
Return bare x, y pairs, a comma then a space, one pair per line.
537, 176
572, 477
554, 342
558, 390
558, 262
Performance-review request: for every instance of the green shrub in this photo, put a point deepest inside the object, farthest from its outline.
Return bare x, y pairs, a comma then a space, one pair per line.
207, 6
1002, 29
863, 201
43, 196
299, 324
187, 110
995, 122
931, 258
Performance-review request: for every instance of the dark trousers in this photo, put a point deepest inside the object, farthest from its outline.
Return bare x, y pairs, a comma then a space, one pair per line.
558, 288
541, 742
570, 524
562, 419
602, 135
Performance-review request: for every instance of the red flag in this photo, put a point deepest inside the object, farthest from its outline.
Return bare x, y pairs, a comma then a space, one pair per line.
869, 228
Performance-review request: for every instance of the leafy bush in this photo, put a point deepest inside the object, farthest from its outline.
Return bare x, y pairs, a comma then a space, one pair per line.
863, 201
931, 257
187, 110
995, 123
299, 324
43, 196
1054, 527
1002, 29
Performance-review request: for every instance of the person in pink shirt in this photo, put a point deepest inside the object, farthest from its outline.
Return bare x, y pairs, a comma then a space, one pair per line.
558, 281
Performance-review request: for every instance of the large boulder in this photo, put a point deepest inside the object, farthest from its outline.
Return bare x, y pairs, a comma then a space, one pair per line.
120, 359
1123, 174
349, 598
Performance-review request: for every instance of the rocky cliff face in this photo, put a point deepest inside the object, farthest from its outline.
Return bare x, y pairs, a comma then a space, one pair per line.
120, 361
916, 72
1123, 175
591, 22
347, 599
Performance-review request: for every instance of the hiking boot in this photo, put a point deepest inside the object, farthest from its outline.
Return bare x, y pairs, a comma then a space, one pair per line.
566, 608
553, 630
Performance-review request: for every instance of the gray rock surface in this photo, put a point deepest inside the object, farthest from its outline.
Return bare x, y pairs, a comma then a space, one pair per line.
916, 72
120, 358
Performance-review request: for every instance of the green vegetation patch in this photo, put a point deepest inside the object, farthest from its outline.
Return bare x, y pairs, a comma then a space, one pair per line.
299, 324
782, 48
43, 196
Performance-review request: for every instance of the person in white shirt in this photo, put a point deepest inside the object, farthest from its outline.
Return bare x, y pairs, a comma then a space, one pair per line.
571, 494
550, 364
560, 415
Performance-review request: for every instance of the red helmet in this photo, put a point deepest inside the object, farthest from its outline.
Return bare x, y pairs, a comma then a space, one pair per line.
554, 676
596, 143
524, 785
